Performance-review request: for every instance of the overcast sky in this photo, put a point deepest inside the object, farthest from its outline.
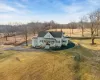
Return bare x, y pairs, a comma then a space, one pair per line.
61, 11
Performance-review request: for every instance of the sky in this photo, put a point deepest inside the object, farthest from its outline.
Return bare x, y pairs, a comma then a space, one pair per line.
60, 11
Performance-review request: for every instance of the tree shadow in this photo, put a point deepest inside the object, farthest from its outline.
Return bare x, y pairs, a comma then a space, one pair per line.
70, 45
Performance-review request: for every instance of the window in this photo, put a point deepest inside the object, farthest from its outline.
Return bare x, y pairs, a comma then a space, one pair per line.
64, 41
58, 41
41, 41
52, 42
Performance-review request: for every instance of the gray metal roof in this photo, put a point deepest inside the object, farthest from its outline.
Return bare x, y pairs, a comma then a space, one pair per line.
42, 33
55, 34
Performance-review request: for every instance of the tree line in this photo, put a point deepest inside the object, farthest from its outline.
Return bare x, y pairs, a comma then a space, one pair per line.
90, 21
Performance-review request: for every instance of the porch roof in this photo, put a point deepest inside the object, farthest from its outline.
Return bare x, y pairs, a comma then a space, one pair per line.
50, 38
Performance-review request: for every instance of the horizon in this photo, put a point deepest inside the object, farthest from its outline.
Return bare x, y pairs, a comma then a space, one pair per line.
60, 11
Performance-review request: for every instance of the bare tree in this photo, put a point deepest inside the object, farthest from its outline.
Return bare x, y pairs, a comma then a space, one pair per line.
6, 32
97, 15
32, 28
72, 27
13, 31
69, 27
53, 25
24, 32
93, 27
82, 24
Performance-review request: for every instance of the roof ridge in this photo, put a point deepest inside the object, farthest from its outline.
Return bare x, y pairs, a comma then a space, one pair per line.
55, 34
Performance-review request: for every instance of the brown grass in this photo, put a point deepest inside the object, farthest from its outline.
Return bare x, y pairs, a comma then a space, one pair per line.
76, 32
50, 65
37, 66
11, 40
87, 43
55, 65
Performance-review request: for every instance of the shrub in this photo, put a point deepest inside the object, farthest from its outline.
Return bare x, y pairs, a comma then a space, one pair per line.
79, 58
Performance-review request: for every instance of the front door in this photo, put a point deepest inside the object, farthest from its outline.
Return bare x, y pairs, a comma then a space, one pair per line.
47, 45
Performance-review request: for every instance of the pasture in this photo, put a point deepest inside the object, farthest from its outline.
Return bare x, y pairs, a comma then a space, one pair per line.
76, 32
77, 63
81, 62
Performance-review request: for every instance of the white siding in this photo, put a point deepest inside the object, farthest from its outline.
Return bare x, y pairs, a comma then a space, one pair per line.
40, 39
58, 42
48, 35
49, 39
34, 42
65, 43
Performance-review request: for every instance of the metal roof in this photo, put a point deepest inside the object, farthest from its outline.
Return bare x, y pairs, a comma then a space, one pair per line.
56, 34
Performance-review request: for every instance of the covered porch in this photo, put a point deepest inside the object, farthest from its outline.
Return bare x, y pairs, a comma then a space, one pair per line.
49, 42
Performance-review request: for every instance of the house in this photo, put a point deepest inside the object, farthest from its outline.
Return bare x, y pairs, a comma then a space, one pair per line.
50, 39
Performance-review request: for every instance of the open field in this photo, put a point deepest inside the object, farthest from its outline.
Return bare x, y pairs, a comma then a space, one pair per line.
11, 40
20, 38
36, 66
87, 43
76, 32
81, 62
50, 65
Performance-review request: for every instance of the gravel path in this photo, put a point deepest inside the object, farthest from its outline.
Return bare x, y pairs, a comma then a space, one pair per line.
22, 48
